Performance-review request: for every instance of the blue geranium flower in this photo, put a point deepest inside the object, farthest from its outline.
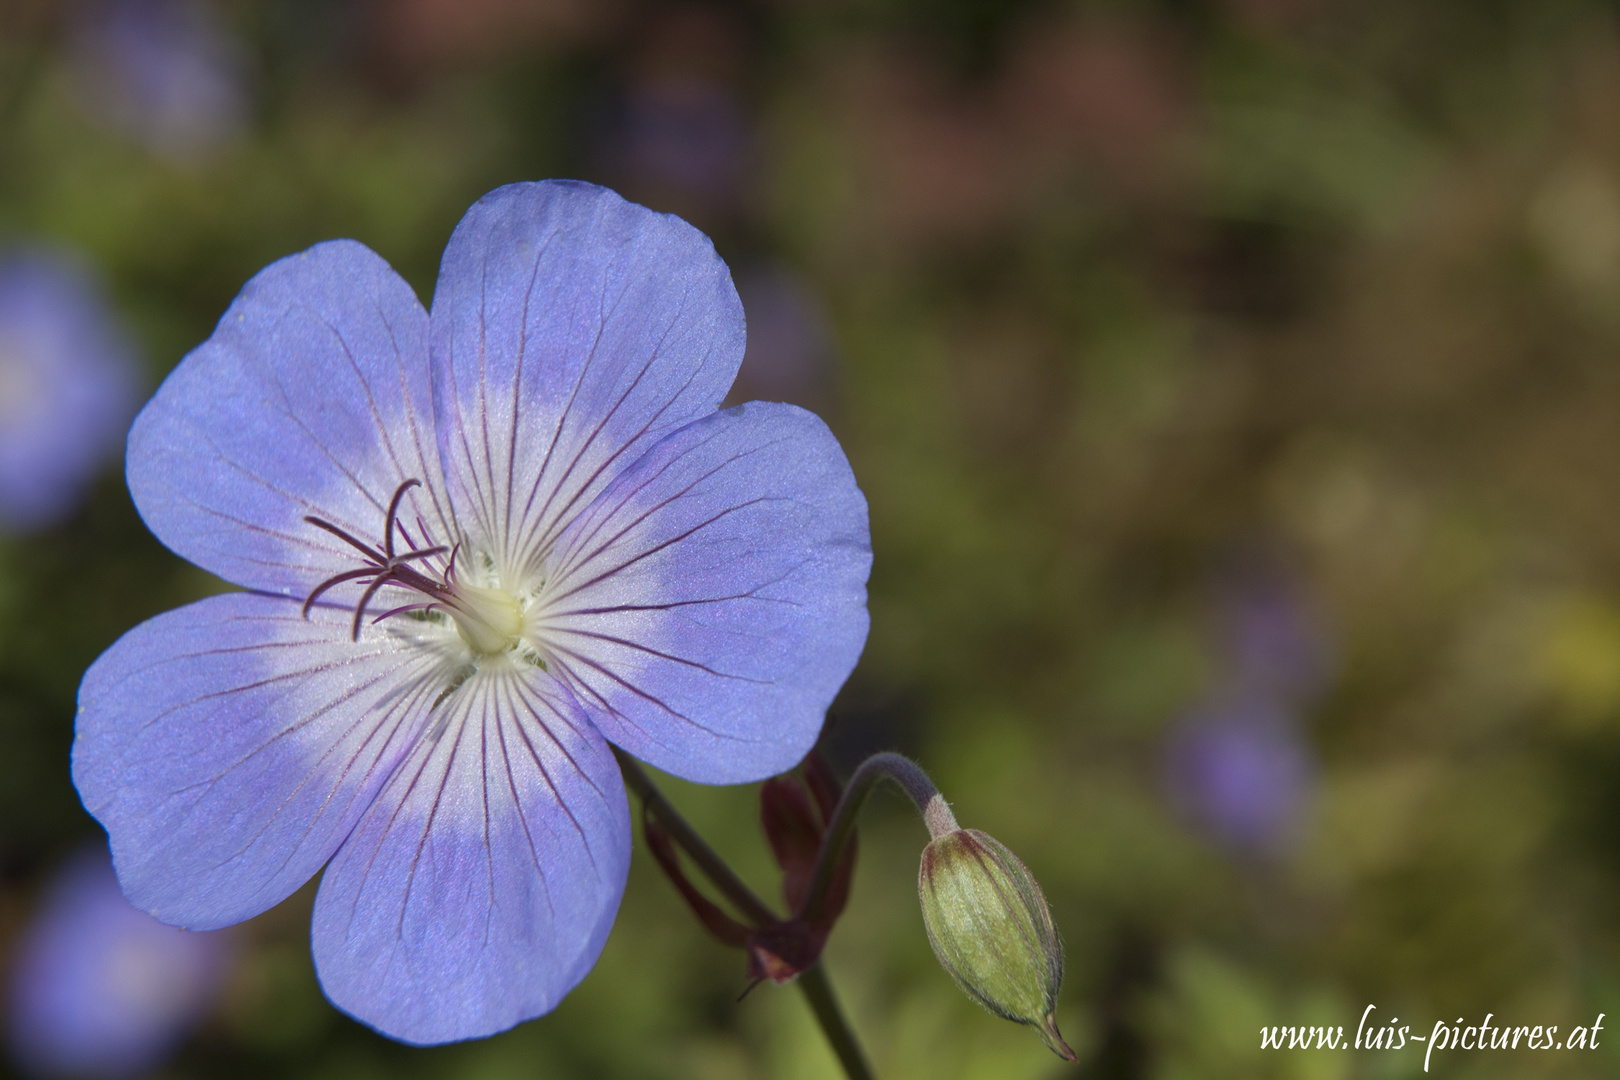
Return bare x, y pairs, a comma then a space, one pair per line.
479, 546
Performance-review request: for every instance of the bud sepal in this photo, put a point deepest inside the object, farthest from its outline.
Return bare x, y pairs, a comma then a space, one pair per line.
992, 931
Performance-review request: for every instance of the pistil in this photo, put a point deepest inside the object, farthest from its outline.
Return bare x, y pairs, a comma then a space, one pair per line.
488, 620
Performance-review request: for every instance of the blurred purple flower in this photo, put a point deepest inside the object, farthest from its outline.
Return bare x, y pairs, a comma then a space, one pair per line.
688, 134
67, 387
164, 72
790, 346
1243, 775
1274, 643
101, 989
568, 546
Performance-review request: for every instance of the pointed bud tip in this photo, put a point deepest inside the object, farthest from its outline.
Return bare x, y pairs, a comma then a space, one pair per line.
1053, 1038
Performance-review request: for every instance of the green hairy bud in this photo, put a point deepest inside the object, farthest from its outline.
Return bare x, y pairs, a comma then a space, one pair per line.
992, 931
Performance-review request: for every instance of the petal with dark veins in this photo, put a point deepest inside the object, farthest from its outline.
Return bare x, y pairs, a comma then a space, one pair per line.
228, 747
709, 604
571, 331
482, 883
311, 398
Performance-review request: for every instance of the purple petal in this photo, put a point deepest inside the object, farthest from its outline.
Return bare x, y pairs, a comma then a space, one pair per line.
480, 887
311, 398
228, 747
709, 604
571, 331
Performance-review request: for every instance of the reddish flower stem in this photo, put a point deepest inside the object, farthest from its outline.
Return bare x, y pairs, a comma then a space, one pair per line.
813, 981
704, 857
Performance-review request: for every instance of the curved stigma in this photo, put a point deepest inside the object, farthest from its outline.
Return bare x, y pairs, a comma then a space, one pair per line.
384, 566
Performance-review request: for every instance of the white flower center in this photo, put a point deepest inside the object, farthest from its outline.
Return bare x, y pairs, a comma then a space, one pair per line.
490, 621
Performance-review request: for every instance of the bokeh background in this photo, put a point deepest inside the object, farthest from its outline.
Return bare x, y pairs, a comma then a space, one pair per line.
1236, 388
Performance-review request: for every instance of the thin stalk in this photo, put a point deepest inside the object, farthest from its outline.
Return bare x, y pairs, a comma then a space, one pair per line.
813, 981
903, 771
703, 856
819, 993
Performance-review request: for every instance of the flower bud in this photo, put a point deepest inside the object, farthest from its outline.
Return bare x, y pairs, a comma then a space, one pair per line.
992, 931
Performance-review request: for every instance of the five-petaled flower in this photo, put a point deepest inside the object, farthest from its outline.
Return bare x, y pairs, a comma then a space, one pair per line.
478, 546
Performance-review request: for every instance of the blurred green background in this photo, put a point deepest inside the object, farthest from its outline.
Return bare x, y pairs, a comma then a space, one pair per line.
1236, 388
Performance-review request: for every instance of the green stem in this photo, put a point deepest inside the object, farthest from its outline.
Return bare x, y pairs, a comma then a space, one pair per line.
903, 771
819, 993
813, 981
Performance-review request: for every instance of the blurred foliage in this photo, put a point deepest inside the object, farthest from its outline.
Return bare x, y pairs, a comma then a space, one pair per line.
1122, 293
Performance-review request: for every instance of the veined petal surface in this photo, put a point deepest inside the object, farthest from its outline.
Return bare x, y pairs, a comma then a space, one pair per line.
708, 605
311, 398
229, 746
571, 331
481, 885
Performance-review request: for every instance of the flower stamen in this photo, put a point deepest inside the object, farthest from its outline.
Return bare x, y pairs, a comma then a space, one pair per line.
489, 620
385, 566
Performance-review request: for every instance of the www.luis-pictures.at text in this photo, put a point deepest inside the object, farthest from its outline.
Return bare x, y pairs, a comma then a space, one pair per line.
1371, 1035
